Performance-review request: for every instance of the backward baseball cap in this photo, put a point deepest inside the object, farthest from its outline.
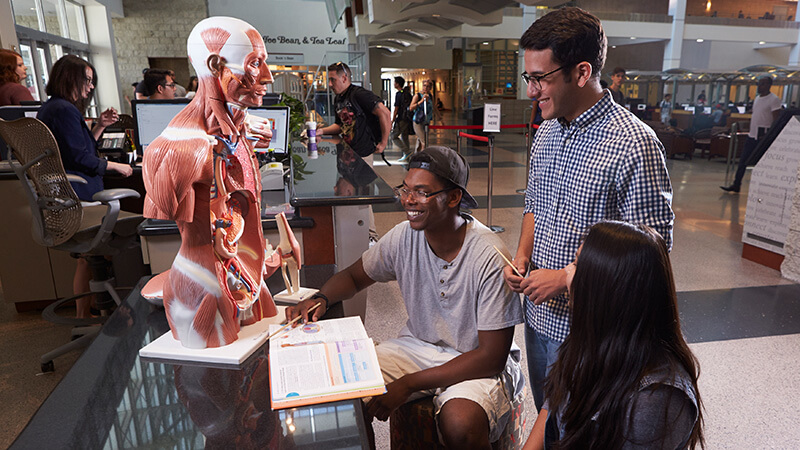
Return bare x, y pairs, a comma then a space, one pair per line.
446, 163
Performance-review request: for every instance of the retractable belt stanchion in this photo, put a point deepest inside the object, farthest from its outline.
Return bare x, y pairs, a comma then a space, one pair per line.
733, 146
490, 140
427, 142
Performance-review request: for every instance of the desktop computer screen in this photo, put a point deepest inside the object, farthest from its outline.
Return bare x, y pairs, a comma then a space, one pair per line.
278, 117
152, 117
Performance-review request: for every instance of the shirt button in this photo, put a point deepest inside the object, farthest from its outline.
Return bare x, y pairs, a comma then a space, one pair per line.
444, 266
442, 294
441, 281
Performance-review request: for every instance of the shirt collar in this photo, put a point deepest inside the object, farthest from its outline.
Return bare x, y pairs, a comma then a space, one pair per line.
598, 110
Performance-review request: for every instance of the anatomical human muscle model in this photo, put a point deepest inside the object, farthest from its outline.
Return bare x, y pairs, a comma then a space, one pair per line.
202, 173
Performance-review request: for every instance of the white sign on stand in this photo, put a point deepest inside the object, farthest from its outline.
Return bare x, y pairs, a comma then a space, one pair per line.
491, 117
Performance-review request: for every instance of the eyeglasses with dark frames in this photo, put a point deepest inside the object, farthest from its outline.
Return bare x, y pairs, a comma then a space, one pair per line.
537, 79
417, 195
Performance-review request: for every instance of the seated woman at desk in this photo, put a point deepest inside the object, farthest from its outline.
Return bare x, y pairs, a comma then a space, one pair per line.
624, 377
12, 74
70, 87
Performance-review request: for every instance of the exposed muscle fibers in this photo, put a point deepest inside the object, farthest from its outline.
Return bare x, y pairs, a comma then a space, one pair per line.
201, 172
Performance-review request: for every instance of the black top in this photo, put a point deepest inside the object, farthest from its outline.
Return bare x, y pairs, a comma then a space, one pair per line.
402, 100
361, 129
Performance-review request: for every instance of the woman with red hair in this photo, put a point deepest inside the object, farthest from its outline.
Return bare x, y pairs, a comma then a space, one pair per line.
12, 72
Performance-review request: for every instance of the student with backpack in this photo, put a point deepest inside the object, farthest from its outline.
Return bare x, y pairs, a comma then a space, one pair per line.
422, 107
400, 118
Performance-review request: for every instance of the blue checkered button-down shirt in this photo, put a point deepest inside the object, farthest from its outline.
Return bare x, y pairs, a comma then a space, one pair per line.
604, 165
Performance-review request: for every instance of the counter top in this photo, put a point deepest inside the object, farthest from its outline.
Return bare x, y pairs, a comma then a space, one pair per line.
334, 176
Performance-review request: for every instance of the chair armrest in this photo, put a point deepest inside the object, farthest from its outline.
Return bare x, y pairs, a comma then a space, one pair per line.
76, 179
107, 195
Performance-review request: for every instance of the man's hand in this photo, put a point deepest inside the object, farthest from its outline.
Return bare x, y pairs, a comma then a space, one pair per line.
543, 284
301, 309
512, 279
381, 407
380, 147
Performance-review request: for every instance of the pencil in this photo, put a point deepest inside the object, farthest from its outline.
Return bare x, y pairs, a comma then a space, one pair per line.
508, 262
292, 321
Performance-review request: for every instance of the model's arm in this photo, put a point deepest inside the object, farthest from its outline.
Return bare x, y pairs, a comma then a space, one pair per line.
341, 286
487, 360
385, 119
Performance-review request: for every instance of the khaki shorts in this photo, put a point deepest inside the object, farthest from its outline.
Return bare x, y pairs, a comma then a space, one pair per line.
405, 355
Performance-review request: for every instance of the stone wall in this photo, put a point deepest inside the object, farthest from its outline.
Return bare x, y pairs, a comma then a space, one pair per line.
153, 28
791, 264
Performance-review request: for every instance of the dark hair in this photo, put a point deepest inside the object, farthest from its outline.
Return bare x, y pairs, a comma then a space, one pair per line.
8, 66
618, 70
624, 321
400, 80
340, 67
66, 78
192, 83
155, 78
572, 34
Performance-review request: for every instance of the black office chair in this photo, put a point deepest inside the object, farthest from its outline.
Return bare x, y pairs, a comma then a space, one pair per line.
61, 221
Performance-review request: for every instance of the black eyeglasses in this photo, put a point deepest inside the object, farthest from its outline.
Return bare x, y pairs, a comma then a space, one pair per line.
89, 81
172, 85
537, 79
417, 195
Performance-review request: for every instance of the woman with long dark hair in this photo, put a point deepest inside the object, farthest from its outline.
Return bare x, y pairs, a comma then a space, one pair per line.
12, 73
624, 377
70, 88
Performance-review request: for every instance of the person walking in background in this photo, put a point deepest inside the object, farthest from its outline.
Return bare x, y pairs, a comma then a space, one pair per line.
591, 160
401, 122
422, 107
766, 109
617, 78
12, 74
624, 377
666, 109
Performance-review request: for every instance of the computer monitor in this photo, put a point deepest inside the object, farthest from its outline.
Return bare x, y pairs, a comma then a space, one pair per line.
152, 117
741, 109
14, 113
689, 108
707, 110
278, 116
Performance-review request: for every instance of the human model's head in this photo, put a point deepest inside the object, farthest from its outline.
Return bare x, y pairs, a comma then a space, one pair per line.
617, 77
160, 84
12, 68
764, 85
570, 41
435, 187
339, 77
624, 321
231, 51
73, 79
399, 82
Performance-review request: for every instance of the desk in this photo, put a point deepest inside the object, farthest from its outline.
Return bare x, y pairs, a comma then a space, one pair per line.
337, 194
112, 399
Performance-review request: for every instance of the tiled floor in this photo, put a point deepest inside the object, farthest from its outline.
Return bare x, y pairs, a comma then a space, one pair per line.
741, 319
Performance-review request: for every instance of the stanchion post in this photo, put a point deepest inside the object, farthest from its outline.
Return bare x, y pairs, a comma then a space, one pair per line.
427, 142
496, 229
733, 146
458, 142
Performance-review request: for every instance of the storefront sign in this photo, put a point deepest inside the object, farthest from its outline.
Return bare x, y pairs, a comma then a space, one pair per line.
285, 58
491, 118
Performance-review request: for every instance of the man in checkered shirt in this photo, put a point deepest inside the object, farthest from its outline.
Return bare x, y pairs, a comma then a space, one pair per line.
591, 160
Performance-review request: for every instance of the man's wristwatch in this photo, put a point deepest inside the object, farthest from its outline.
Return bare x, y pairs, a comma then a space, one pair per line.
323, 297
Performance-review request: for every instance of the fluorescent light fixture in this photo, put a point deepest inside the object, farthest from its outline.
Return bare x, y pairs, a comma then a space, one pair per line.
700, 40
485, 43
761, 42
633, 37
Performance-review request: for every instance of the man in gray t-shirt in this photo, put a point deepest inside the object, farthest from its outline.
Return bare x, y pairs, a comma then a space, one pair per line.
457, 343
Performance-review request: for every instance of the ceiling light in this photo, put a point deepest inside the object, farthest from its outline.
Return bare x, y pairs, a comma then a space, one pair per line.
485, 43
633, 37
613, 46
423, 72
761, 42
700, 40
437, 15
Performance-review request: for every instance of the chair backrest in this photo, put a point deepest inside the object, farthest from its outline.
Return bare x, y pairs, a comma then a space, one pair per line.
55, 208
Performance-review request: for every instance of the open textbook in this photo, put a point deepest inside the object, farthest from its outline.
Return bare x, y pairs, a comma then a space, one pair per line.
321, 362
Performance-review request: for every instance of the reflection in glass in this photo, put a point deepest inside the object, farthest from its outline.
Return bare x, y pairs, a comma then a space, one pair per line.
355, 175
